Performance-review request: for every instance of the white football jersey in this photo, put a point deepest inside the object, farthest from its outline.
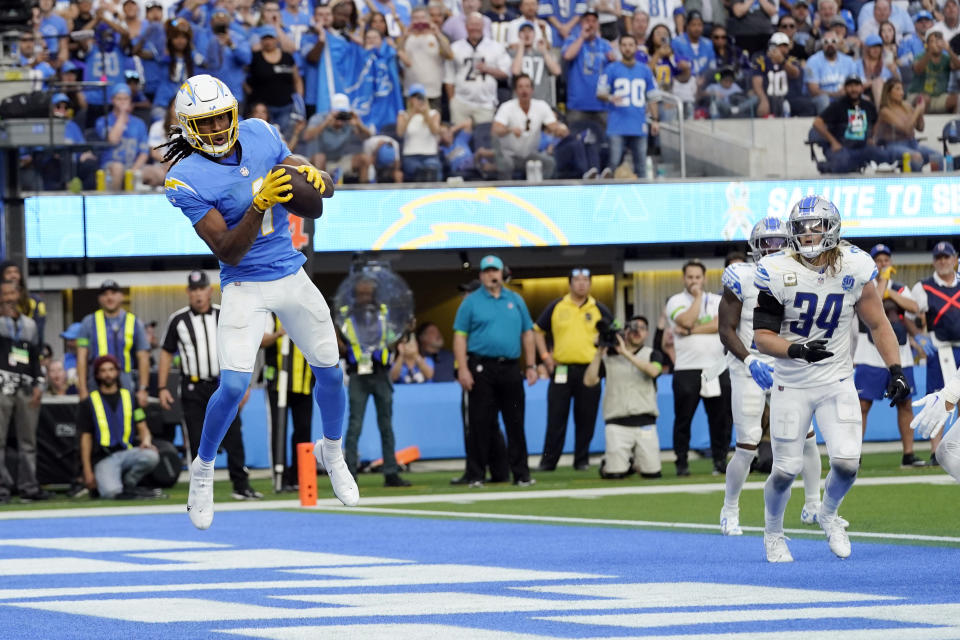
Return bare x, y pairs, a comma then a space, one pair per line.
739, 278
816, 305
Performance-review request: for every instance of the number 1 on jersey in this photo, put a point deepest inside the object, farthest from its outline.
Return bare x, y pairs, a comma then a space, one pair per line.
266, 227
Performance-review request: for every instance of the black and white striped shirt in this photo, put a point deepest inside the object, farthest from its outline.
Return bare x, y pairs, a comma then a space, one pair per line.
194, 337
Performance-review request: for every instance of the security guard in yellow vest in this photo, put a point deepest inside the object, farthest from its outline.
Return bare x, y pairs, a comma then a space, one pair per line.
571, 322
111, 462
299, 392
368, 365
115, 331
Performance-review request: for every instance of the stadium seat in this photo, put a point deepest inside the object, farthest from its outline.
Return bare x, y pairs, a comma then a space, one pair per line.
818, 149
950, 135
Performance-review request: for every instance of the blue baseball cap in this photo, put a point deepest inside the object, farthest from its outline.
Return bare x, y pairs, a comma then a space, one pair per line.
873, 40
219, 10
943, 248
923, 15
58, 98
119, 88
267, 31
491, 262
525, 24
417, 89
69, 66
386, 156
880, 248
72, 332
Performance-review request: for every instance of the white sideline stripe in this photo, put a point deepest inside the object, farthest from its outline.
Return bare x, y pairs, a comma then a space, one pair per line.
640, 524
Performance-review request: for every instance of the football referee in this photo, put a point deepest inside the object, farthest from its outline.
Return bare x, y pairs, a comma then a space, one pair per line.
192, 332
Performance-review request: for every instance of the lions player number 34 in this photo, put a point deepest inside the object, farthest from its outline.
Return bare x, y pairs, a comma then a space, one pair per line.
828, 320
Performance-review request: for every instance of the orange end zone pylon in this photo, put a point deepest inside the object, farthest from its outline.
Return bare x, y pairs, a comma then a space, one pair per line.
404, 456
307, 474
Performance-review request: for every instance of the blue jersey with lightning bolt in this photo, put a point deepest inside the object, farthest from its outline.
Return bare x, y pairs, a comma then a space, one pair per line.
197, 184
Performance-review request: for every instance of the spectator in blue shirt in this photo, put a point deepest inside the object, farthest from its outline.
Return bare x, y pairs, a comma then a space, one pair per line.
624, 86
826, 71
913, 45
692, 46
105, 62
31, 57
54, 31
228, 52
875, 13
295, 18
395, 12
563, 16
153, 40
178, 62
586, 54
126, 132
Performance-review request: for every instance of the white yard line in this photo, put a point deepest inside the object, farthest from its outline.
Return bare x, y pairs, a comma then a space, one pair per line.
380, 505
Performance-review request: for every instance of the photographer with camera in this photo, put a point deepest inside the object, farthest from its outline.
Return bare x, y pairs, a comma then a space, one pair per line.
692, 315
571, 324
630, 404
334, 141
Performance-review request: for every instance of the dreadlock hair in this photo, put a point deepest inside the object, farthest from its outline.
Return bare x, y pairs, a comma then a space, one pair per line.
176, 148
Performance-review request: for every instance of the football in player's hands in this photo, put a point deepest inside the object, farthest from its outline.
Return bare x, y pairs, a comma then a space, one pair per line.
813, 351
307, 201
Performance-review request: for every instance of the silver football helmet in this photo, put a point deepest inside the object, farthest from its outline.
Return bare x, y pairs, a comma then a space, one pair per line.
768, 236
814, 226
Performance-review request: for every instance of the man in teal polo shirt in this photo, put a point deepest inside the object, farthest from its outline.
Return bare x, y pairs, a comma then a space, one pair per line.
492, 324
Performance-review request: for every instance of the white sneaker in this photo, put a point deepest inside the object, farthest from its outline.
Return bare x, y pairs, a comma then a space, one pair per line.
730, 522
344, 486
836, 535
776, 546
810, 515
200, 497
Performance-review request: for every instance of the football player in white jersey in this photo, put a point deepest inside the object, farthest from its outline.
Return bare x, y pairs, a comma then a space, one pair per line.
938, 411
751, 379
804, 318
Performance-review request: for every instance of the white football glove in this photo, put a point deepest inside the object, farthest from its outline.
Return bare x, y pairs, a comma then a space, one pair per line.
932, 417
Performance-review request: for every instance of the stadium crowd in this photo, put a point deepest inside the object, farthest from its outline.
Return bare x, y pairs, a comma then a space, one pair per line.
394, 90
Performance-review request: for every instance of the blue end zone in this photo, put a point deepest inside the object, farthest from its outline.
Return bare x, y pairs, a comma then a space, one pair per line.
628, 558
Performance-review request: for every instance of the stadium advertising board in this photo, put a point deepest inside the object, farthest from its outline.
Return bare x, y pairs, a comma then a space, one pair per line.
479, 217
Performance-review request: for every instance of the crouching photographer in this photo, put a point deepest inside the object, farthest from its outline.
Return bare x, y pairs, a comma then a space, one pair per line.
630, 403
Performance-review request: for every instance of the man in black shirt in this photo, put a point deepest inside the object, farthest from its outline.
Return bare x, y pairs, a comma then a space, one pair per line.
111, 462
849, 125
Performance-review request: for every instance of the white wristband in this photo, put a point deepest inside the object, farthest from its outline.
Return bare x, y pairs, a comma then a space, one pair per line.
951, 391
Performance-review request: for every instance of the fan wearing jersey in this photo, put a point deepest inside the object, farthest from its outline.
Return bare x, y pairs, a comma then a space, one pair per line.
751, 376
221, 178
807, 300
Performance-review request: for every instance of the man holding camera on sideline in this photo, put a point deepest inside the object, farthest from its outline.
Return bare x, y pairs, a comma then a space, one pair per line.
630, 404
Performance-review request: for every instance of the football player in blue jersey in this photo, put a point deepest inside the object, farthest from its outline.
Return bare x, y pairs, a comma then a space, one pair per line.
221, 179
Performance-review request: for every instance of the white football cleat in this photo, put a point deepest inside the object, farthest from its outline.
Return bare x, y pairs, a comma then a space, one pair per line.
344, 486
776, 547
810, 515
730, 522
836, 535
200, 497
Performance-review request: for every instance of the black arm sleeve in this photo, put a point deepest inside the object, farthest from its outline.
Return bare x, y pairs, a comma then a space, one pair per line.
768, 314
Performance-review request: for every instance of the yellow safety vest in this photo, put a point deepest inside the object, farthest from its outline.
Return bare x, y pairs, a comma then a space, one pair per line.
103, 347
301, 376
382, 354
104, 424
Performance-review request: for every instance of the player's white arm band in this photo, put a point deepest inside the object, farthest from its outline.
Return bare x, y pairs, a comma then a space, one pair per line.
768, 313
951, 390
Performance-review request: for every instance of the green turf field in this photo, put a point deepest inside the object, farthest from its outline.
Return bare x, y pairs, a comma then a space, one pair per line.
911, 508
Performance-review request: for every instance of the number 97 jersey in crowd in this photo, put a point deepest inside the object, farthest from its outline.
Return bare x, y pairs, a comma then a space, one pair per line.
199, 183
816, 304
